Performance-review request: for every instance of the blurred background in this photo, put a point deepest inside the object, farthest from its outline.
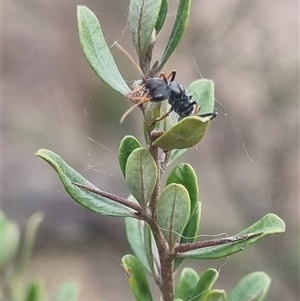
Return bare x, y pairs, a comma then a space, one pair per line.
52, 99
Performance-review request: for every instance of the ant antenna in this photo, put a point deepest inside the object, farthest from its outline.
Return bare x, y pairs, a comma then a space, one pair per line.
135, 90
219, 103
116, 43
129, 111
122, 34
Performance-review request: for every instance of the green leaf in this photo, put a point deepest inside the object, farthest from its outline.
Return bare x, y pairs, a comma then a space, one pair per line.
96, 50
202, 91
135, 237
9, 238
137, 278
186, 133
269, 224
89, 200
179, 26
173, 211
141, 175
253, 287
185, 175
216, 295
127, 145
186, 284
143, 16
205, 284
176, 153
31, 230
34, 292
190, 230
151, 249
162, 15
68, 292
152, 113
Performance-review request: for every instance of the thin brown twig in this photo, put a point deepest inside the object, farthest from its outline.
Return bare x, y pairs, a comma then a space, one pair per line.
111, 196
213, 242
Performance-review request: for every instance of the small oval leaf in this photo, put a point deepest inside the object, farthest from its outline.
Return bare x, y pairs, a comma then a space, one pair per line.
137, 278
216, 295
127, 146
205, 284
89, 200
185, 175
269, 224
96, 50
143, 16
186, 284
252, 287
202, 91
141, 175
186, 133
173, 211
204, 94
179, 26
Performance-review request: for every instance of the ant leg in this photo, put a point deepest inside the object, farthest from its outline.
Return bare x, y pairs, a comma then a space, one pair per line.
196, 110
163, 116
172, 75
142, 100
211, 115
163, 76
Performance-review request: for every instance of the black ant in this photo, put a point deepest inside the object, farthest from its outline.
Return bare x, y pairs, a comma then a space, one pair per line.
159, 89
156, 89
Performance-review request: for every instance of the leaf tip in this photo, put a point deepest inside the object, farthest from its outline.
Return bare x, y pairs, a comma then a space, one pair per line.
277, 221
40, 152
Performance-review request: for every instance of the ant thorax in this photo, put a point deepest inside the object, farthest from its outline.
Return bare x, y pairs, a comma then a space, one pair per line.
177, 92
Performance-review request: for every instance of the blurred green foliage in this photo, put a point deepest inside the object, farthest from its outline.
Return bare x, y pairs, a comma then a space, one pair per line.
15, 250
